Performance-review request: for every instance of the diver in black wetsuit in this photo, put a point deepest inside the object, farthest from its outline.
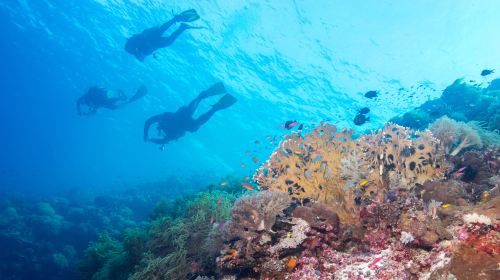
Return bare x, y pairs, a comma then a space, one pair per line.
97, 97
145, 43
172, 126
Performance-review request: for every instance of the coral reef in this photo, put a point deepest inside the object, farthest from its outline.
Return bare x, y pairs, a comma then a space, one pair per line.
333, 168
181, 245
418, 212
455, 136
392, 204
44, 237
461, 102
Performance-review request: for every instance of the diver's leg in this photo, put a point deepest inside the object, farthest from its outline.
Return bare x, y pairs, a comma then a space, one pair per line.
216, 89
115, 103
201, 120
166, 25
167, 41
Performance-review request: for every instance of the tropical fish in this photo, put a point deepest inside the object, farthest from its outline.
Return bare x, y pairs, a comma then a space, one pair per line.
364, 111
212, 220
292, 263
373, 264
219, 200
232, 252
242, 165
485, 195
247, 186
255, 159
290, 124
257, 142
223, 183
371, 94
247, 178
446, 205
360, 119
363, 183
459, 172
487, 72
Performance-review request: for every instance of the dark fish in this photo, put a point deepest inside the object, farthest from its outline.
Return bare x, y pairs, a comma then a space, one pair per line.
487, 72
300, 127
360, 119
364, 111
371, 94
290, 124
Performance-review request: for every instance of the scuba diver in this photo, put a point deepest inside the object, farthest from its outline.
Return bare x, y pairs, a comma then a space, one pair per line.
97, 97
172, 126
150, 40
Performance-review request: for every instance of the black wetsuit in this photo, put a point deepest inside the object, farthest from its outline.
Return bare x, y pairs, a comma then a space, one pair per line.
145, 43
172, 126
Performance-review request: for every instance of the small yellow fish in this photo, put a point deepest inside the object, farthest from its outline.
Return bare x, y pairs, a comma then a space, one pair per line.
363, 183
485, 195
446, 205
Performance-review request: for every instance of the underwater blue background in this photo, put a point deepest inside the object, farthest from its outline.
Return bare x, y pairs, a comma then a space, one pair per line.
304, 60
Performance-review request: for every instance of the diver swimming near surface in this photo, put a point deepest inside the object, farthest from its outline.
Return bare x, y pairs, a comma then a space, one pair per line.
172, 126
97, 97
148, 41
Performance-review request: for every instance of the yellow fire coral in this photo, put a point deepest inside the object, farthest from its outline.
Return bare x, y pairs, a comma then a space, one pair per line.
398, 153
310, 167
328, 165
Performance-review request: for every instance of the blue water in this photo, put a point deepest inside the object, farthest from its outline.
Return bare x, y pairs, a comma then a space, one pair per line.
283, 60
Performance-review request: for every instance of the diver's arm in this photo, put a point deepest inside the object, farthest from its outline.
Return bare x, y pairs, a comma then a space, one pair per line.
148, 123
79, 103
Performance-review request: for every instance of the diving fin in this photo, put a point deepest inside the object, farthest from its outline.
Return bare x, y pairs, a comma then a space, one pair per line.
216, 89
142, 91
224, 102
187, 16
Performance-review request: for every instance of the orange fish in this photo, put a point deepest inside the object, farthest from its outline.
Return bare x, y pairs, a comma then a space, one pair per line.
247, 186
255, 159
232, 252
219, 200
292, 263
